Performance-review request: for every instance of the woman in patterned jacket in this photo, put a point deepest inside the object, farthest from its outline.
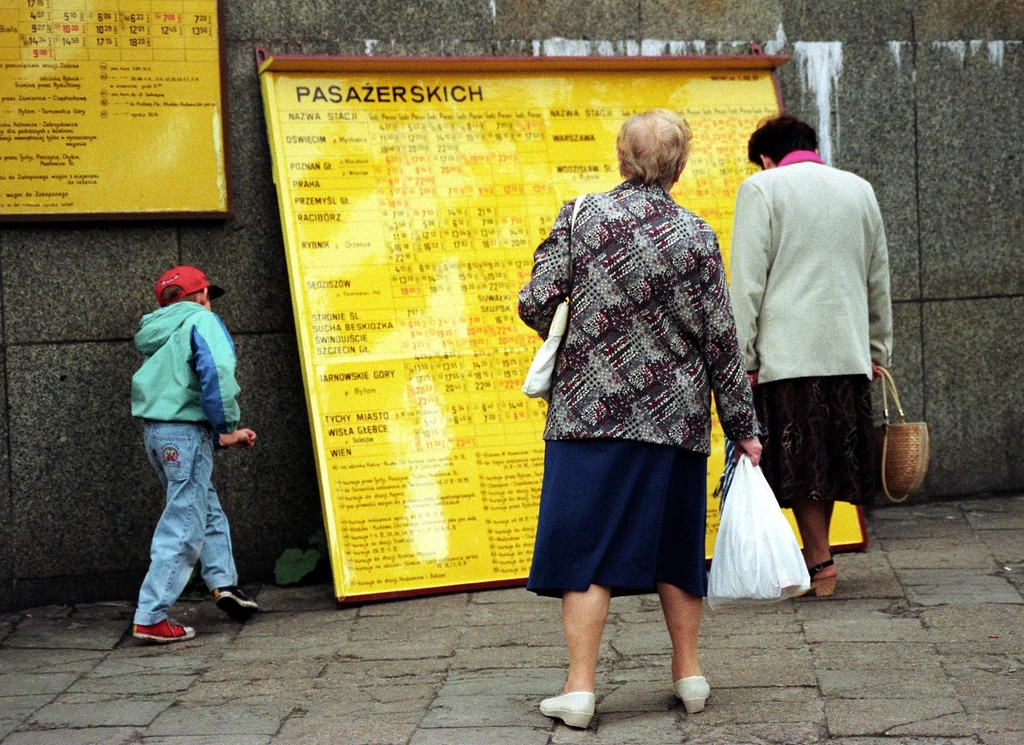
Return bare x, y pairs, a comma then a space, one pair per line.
651, 335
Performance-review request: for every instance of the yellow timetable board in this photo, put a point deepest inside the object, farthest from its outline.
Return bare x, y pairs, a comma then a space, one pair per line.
412, 195
111, 108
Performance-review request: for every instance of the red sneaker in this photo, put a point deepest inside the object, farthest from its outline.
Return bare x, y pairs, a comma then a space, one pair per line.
164, 632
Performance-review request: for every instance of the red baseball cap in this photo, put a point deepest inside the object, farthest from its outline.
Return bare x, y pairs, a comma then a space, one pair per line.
189, 279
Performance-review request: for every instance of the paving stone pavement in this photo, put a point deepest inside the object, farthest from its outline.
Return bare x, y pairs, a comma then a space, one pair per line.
922, 644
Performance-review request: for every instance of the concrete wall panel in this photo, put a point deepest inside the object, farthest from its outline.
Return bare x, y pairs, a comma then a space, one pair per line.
876, 139
974, 394
270, 493
84, 498
863, 21
971, 179
716, 20
6, 507
944, 20
261, 19
72, 283
907, 366
420, 21
545, 19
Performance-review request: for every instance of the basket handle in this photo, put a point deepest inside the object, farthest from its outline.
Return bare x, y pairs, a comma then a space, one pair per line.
889, 383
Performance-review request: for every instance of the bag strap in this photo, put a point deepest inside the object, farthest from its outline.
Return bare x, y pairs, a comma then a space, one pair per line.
888, 382
576, 208
572, 226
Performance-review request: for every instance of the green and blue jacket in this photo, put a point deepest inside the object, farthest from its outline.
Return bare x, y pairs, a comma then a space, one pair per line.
189, 371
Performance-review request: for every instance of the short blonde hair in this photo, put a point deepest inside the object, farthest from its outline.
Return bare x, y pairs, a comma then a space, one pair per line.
654, 146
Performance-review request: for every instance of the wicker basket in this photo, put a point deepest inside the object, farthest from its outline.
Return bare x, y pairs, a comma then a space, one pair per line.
902, 448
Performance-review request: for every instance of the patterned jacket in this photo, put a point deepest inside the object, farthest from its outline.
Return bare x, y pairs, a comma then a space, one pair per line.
651, 331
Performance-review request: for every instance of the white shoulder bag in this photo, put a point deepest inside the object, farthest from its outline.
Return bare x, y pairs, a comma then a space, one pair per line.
541, 374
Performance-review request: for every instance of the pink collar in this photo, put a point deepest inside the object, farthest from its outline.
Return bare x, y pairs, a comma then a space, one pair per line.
801, 156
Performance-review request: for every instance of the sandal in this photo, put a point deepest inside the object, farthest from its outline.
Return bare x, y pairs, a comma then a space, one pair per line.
825, 586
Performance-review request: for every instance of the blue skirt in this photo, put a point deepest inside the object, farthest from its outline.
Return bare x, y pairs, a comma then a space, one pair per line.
620, 513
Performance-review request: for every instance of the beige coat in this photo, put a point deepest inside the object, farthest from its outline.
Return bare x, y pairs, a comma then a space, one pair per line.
809, 274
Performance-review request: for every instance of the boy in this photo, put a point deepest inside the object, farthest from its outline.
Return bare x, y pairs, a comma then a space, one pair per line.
186, 394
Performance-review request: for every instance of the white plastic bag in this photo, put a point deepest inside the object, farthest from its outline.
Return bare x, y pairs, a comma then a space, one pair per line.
756, 553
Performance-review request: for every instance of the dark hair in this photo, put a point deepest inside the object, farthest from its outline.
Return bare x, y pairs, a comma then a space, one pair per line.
778, 137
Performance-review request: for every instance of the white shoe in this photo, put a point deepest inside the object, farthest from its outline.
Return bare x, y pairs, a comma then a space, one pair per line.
694, 692
575, 709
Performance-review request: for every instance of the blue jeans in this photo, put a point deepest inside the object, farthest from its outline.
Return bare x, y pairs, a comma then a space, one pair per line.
193, 527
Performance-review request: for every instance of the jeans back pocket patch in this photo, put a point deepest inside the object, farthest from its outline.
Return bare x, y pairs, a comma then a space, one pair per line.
171, 457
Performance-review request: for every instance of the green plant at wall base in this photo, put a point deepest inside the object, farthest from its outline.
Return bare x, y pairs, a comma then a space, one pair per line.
295, 564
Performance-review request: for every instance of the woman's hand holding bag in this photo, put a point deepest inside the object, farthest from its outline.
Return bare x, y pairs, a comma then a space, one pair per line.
757, 556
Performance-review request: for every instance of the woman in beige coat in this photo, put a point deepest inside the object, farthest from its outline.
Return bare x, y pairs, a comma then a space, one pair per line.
810, 292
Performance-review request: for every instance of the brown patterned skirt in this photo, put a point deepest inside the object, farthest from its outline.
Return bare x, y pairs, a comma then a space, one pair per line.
818, 438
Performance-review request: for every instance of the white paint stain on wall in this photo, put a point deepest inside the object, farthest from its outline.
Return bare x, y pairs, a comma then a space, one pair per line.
821, 64
218, 147
996, 49
959, 48
672, 47
894, 47
995, 53
775, 46
654, 47
732, 47
559, 47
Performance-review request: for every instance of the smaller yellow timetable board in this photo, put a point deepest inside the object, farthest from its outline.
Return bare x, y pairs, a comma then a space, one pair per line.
112, 108
413, 193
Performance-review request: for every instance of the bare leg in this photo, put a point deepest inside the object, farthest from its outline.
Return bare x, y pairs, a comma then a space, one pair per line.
813, 518
682, 616
583, 618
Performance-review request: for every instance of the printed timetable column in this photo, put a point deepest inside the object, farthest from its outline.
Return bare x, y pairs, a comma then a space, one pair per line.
135, 29
103, 32
198, 28
35, 30
69, 24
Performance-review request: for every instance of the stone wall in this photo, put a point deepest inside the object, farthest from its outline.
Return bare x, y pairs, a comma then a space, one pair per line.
921, 97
